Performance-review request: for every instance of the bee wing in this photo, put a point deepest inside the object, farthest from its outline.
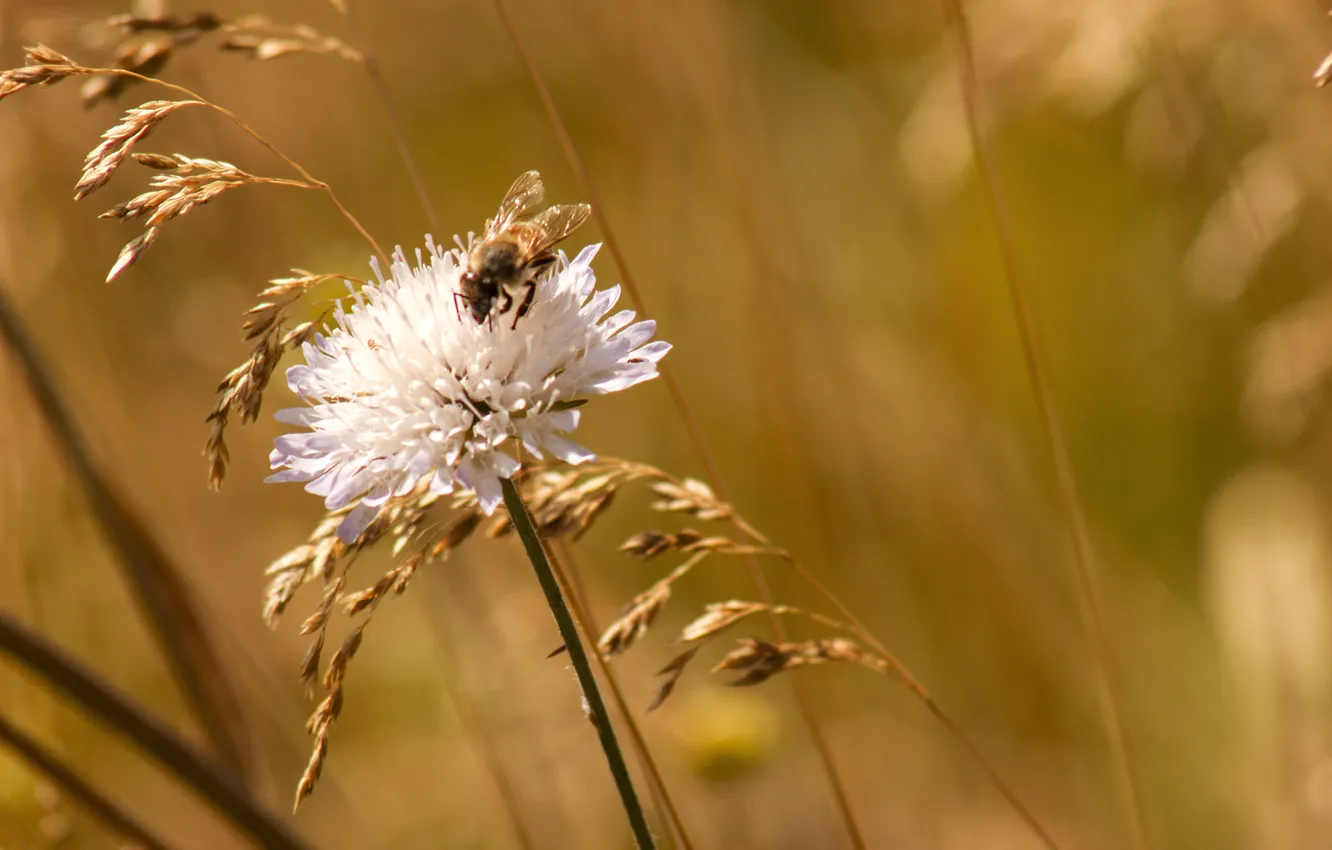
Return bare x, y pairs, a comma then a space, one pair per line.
556, 223
526, 191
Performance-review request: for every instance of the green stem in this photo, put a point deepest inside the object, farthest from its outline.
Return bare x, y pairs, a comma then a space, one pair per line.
536, 553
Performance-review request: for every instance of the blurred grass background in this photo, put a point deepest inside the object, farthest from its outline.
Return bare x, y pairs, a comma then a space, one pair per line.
794, 189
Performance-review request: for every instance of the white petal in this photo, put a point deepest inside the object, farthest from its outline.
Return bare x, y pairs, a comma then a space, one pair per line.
504, 465
488, 492
567, 450
356, 522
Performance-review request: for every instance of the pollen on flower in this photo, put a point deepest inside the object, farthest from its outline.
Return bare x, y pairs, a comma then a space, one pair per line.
405, 386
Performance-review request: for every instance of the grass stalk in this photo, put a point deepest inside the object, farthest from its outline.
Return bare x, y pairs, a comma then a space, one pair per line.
211, 780
156, 582
472, 718
371, 65
536, 553
1090, 593
693, 425
77, 788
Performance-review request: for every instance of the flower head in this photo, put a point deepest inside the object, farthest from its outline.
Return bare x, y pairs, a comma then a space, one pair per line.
407, 385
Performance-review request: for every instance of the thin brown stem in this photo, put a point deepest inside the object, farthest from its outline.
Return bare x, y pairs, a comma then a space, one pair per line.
693, 425
210, 780
1090, 593
561, 557
853, 623
291, 163
922, 693
474, 726
371, 65
77, 788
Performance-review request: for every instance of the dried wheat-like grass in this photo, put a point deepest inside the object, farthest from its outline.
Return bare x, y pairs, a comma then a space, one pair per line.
760, 660
560, 494
409, 523
313, 559
243, 388
1323, 73
423, 533
183, 183
634, 619
260, 38
42, 67
719, 616
690, 496
146, 44
190, 181
564, 501
649, 544
119, 141
670, 675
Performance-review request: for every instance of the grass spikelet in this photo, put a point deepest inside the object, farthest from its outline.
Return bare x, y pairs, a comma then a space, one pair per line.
671, 674
43, 66
260, 38
119, 141
197, 23
146, 44
760, 660
565, 502
417, 538
457, 532
633, 621
186, 183
650, 544
1323, 73
243, 388
133, 250
313, 559
692, 497
719, 616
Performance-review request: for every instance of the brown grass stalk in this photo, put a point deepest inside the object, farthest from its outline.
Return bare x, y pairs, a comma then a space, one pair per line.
680, 496
371, 65
210, 779
692, 424
158, 584
471, 720
77, 788
566, 570
1088, 579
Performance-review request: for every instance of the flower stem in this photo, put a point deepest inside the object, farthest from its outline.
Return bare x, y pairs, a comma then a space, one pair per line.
536, 553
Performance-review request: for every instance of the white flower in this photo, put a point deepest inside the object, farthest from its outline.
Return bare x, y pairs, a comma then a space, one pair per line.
408, 385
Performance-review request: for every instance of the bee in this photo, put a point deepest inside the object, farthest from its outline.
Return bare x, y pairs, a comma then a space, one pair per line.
513, 251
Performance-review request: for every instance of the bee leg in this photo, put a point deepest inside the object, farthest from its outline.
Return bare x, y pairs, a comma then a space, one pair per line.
527, 302
458, 296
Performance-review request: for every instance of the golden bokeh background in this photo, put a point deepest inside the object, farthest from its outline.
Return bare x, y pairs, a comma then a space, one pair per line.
798, 203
